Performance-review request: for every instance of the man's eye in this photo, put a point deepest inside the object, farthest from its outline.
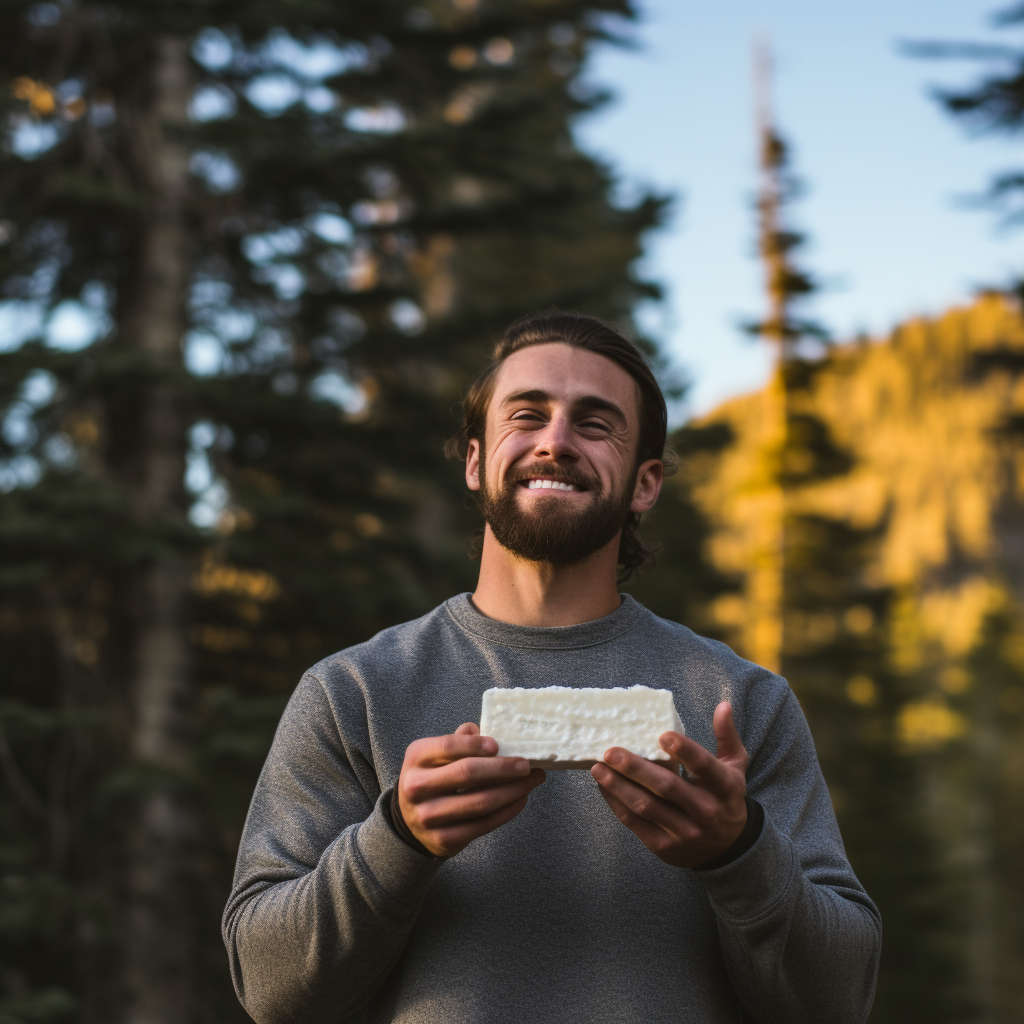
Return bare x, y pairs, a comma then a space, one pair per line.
593, 424
526, 415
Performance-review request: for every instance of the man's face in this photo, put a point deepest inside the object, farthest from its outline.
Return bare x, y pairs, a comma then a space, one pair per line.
559, 475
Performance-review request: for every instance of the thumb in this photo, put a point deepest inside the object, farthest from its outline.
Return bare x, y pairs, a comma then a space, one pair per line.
467, 729
730, 746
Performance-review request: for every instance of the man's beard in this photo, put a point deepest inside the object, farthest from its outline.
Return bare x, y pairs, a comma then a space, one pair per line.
553, 529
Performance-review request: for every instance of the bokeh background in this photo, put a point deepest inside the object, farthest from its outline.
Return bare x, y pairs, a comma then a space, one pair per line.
250, 256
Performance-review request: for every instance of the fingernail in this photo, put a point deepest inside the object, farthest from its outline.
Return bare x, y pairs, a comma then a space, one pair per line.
613, 757
522, 765
490, 746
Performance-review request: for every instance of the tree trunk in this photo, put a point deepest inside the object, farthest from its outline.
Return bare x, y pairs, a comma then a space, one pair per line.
159, 927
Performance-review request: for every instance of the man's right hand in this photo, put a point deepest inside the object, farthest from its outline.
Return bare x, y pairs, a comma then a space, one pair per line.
453, 789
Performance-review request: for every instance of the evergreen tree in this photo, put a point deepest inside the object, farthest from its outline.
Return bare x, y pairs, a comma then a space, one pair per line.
250, 252
984, 780
830, 619
994, 104
797, 448
685, 583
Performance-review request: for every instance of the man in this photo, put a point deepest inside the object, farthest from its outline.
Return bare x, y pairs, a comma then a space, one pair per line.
393, 868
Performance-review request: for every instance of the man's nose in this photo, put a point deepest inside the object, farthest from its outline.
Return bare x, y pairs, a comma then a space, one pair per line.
556, 440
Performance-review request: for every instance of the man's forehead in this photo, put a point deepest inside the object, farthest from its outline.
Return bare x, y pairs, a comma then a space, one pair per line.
565, 373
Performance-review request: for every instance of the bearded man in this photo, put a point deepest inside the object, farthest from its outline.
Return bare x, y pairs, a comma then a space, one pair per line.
394, 868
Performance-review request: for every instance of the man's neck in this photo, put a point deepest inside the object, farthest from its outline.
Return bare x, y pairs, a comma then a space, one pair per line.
524, 593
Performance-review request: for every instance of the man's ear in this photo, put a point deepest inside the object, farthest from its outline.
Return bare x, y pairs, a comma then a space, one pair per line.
649, 478
473, 465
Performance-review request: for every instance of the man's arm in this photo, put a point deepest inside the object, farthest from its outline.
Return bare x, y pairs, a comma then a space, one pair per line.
326, 893
800, 937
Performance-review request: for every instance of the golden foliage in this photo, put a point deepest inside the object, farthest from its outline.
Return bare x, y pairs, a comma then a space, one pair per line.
216, 578
929, 724
39, 96
934, 471
955, 680
745, 503
859, 619
862, 690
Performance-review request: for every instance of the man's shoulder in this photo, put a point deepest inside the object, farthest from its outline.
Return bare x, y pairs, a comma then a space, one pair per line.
390, 649
710, 668
682, 641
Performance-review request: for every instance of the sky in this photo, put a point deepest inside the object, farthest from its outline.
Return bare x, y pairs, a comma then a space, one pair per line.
891, 233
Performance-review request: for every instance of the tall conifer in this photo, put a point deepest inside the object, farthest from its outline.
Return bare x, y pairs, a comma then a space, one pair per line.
250, 252
811, 582
983, 782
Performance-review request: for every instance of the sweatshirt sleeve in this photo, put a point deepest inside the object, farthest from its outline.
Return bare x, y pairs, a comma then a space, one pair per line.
325, 892
800, 936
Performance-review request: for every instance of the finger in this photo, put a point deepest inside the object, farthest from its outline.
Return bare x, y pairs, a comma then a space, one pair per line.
640, 799
455, 837
480, 803
435, 751
467, 773
468, 729
702, 767
650, 834
695, 800
730, 746
660, 777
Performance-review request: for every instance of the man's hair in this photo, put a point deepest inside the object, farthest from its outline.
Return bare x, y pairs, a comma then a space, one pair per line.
594, 335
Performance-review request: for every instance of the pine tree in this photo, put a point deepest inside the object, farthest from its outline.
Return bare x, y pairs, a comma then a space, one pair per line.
830, 616
983, 781
250, 252
796, 450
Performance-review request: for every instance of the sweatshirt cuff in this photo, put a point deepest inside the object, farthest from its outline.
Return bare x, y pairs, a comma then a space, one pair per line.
744, 841
401, 872
750, 887
393, 809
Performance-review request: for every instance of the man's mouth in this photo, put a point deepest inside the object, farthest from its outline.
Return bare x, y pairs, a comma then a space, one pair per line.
544, 483
564, 480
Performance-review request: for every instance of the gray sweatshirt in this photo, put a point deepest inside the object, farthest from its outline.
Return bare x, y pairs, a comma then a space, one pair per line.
560, 916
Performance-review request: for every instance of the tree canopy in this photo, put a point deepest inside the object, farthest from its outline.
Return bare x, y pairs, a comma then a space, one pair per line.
250, 254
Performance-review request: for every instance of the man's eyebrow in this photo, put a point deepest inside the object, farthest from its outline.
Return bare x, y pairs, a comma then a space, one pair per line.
596, 402
583, 402
533, 395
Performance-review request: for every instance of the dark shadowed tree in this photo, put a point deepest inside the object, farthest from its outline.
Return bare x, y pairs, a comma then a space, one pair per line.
250, 252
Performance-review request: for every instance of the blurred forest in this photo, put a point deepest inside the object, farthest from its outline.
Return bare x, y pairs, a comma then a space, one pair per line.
250, 255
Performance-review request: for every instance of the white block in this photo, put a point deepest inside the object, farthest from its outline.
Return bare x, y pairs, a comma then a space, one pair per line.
558, 727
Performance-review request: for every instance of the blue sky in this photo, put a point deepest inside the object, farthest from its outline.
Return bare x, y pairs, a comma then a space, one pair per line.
886, 169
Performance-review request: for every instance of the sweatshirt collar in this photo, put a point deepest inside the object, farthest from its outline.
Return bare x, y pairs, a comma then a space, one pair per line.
583, 634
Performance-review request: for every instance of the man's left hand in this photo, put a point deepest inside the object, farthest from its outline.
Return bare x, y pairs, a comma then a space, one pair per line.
684, 822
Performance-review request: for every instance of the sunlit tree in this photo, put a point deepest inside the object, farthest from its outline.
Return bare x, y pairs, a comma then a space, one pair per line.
984, 782
819, 615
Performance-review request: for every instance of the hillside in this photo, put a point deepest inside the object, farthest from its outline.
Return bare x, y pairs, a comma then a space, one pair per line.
914, 689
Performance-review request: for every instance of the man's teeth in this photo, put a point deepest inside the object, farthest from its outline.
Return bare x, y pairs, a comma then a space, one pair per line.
554, 485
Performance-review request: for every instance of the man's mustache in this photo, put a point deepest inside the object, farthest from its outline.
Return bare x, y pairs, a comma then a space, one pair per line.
563, 474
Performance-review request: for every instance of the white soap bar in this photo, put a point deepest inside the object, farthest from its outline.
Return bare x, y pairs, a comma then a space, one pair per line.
559, 727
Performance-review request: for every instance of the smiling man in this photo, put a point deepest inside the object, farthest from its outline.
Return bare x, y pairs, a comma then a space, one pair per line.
393, 868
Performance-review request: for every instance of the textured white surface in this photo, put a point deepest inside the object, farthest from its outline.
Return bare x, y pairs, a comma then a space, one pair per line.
571, 727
